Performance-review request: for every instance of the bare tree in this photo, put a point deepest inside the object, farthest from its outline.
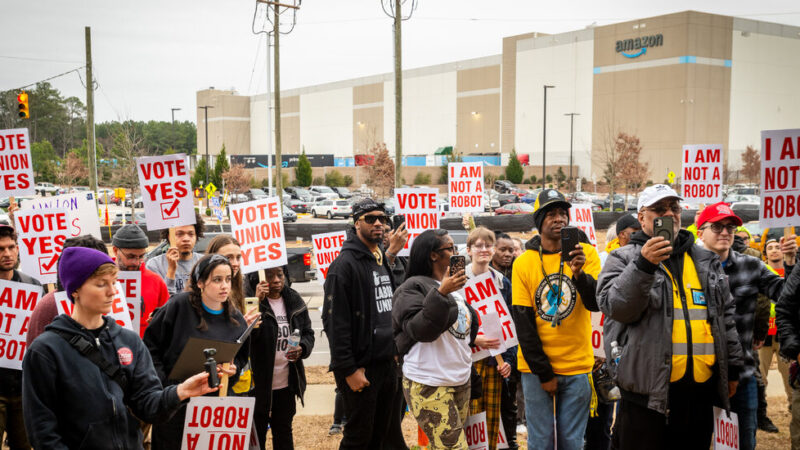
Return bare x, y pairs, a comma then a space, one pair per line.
631, 171
381, 172
236, 179
127, 147
74, 169
608, 158
751, 165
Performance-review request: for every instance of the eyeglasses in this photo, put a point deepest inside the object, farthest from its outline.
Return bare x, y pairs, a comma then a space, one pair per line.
718, 227
133, 257
662, 209
481, 246
370, 220
445, 249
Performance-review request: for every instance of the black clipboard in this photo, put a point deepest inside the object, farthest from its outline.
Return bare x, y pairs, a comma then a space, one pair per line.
191, 360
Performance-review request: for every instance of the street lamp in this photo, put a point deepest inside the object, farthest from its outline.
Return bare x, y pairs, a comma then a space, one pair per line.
173, 126
544, 138
205, 110
571, 123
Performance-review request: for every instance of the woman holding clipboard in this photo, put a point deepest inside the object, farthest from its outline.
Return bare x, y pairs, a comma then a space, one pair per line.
203, 311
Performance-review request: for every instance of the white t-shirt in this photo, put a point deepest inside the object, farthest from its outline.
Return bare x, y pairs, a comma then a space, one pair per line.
280, 373
447, 360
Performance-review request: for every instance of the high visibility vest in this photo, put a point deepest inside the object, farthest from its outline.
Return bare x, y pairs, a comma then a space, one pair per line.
691, 331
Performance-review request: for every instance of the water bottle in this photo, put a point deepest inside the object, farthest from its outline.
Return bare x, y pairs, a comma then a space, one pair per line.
294, 340
616, 352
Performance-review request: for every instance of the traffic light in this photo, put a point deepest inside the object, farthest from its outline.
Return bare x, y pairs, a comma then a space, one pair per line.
24, 112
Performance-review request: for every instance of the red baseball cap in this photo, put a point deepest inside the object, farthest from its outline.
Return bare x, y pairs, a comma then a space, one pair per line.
716, 212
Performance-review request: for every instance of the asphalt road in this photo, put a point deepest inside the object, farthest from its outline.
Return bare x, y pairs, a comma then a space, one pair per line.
311, 292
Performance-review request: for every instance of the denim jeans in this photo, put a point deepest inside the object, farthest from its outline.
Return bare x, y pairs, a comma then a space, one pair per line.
745, 403
572, 411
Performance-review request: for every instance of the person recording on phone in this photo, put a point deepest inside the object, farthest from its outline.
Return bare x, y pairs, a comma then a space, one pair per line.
669, 302
553, 291
278, 369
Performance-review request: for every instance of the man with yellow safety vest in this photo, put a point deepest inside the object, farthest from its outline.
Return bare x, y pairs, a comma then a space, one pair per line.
670, 330
747, 277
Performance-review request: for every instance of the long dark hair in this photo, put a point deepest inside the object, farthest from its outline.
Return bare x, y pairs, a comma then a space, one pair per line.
419, 261
237, 283
200, 272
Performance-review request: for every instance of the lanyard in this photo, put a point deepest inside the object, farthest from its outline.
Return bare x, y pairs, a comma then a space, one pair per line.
554, 296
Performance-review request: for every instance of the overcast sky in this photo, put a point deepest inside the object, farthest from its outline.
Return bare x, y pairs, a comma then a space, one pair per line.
150, 56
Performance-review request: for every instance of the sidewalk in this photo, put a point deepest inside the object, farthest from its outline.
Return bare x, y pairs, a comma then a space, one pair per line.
319, 399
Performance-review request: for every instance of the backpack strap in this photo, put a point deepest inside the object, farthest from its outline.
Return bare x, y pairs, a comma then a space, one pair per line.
92, 353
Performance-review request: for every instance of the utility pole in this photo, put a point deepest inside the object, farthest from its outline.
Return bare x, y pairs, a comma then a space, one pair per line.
90, 141
205, 121
269, 118
544, 139
571, 123
394, 11
173, 126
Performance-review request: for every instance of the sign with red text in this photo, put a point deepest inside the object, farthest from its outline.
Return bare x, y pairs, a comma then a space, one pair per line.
131, 283
119, 307
502, 442
701, 180
483, 294
476, 431
16, 165
580, 216
258, 226
166, 191
726, 430
326, 248
598, 320
82, 211
780, 178
17, 301
218, 423
41, 235
465, 187
419, 206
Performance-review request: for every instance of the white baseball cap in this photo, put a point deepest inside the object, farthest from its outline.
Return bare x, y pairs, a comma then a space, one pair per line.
655, 193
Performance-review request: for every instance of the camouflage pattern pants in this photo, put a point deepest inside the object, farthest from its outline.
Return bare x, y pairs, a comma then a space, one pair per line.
440, 411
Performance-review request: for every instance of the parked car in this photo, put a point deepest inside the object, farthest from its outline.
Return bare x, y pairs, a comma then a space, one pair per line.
137, 201
104, 194
298, 206
288, 214
343, 192
490, 203
78, 189
298, 193
514, 208
323, 191
4, 202
44, 189
255, 194
619, 202
137, 218
504, 199
747, 211
332, 208
388, 206
734, 198
504, 186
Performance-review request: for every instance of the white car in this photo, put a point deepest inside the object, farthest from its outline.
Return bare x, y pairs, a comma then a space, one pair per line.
44, 189
332, 208
323, 191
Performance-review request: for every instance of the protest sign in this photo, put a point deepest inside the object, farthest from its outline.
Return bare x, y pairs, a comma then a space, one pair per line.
476, 432
119, 308
82, 211
326, 248
484, 296
419, 206
17, 301
216, 208
166, 193
41, 234
502, 441
16, 164
702, 173
726, 430
218, 422
465, 187
598, 319
131, 283
780, 178
580, 216
258, 226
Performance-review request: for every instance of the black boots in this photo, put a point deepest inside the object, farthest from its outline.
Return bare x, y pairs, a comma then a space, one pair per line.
764, 423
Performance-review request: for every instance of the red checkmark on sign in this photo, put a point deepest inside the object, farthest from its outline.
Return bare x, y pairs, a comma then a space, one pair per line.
47, 264
170, 210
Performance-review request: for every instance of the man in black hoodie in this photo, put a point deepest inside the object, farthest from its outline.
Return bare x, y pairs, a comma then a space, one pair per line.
357, 317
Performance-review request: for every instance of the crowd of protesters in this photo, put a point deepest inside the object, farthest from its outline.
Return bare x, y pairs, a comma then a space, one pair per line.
692, 321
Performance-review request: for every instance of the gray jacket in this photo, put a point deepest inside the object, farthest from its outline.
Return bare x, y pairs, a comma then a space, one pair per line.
641, 304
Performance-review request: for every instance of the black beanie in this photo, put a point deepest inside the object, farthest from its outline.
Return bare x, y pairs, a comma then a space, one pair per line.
130, 236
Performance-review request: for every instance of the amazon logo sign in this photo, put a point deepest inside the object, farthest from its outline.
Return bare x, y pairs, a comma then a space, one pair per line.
632, 48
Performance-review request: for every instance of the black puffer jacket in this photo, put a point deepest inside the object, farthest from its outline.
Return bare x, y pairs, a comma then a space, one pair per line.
264, 339
787, 316
69, 403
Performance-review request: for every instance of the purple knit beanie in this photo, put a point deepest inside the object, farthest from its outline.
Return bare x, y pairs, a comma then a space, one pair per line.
77, 264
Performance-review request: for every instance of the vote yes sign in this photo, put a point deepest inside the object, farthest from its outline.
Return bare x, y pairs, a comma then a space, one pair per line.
119, 308
780, 178
580, 216
218, 423
166, 191
42, 233
17, 301
82, 209
598, 320
483, 294
258, 226
726, 430
131, 283
702, 173
465, 187
327, 247
16, 166
419, 206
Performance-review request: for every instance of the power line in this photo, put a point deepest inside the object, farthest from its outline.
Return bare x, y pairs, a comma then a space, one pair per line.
76, 70
25, 58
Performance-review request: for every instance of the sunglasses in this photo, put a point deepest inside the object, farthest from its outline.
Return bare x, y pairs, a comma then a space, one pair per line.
370, 220
662, 209
445, 249
718, 227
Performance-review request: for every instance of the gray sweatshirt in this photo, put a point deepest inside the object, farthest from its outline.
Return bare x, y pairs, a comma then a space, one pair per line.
182, 272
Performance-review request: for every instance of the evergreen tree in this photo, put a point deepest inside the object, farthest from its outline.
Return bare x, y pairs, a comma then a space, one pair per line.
302, 172
514, 172
220, 167
199, 177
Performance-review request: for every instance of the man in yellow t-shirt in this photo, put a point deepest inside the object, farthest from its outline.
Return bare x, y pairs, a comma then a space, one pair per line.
552, 300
